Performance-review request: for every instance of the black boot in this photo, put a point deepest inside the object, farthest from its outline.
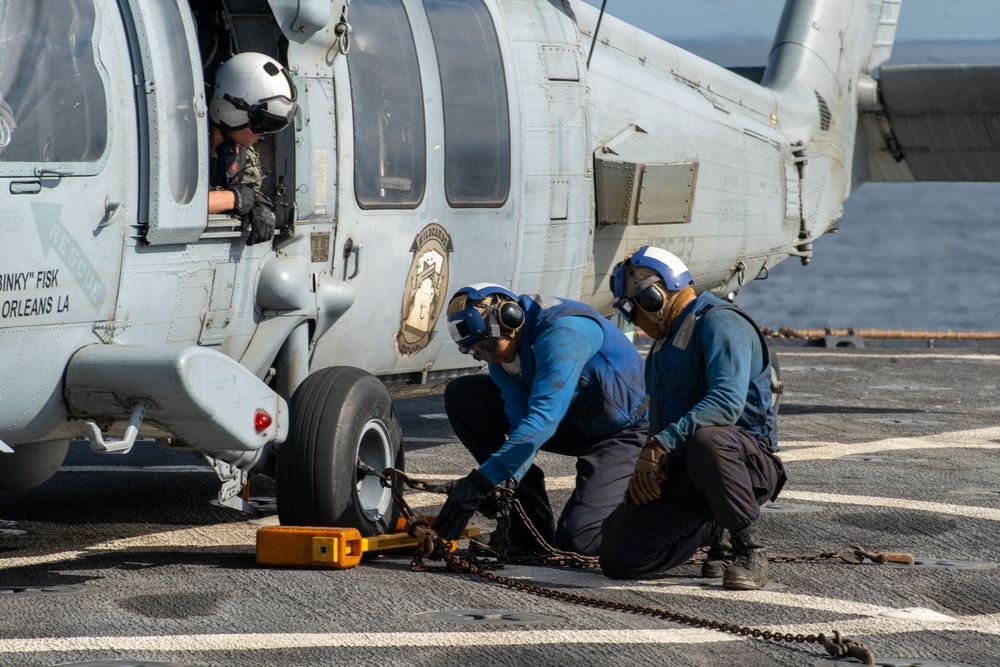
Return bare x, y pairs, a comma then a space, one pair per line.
530, 492
749, 571
720, 555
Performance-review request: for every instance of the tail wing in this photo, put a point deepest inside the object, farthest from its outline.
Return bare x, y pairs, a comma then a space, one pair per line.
933, 123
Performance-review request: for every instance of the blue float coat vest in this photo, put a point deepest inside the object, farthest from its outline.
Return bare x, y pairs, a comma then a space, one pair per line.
684, 380
610, 394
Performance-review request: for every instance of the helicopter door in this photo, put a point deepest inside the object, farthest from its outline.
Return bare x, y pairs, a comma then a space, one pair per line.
67, 137
430, 164
173, 105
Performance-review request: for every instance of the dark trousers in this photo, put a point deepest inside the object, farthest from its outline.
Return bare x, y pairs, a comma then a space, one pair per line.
475, 408
725, 477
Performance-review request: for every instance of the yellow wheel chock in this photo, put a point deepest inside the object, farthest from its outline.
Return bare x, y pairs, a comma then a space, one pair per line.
332, 548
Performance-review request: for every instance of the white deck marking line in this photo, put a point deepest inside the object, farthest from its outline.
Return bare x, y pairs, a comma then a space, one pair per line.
972, 439
866, 627
780, 598
968, 511
257, 642
199, 537
888, 355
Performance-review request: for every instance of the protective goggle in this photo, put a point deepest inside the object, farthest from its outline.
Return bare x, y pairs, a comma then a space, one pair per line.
483, 350
473, 334
645, 294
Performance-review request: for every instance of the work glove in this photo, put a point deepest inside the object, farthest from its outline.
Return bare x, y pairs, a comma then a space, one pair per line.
464, 496
245, 197
260, 220
650, 469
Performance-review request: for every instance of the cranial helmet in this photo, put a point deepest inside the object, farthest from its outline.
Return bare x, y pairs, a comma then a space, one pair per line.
479, 314
255, 91
644, 280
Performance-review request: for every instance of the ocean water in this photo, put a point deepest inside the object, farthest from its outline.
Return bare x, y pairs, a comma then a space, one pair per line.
908, 256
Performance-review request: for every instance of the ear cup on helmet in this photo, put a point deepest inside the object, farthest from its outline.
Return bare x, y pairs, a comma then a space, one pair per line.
510, 316
650, 299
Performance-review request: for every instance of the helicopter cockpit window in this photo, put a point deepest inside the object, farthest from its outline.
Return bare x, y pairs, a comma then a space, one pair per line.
389, 144
53, 101
474, 94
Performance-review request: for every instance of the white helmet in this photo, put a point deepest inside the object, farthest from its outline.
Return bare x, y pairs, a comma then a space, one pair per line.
255, 91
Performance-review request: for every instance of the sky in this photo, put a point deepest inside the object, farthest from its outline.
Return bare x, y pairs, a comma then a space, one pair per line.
708, 19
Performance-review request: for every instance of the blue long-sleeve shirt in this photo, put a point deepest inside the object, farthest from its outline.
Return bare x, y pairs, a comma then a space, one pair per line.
534, 412
681, 402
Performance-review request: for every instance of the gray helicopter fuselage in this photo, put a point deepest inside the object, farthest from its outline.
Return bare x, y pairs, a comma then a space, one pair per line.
437, 143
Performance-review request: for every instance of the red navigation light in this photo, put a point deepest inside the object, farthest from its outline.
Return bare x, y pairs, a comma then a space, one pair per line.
261, 421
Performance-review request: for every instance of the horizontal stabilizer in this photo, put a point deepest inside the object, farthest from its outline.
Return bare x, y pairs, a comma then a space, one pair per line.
937, 123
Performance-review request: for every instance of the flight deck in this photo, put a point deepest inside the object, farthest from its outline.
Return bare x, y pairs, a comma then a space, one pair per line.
124, 561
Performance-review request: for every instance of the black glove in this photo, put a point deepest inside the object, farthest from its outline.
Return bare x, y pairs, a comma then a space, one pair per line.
464, 496
261, 221
244, 196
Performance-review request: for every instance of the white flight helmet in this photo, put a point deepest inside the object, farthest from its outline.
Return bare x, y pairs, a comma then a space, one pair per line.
255, 91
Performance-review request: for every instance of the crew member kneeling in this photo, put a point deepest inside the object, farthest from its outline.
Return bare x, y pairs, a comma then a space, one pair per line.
709, 462
562, 379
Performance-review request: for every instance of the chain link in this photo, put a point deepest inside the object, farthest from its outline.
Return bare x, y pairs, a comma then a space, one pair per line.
431, 546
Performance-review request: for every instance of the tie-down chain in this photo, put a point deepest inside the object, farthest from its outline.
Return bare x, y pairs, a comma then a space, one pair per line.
433, 547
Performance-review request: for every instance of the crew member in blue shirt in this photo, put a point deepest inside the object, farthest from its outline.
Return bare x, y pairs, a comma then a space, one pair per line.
709, 462
562, 379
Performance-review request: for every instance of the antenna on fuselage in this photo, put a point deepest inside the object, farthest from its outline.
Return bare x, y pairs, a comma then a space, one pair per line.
596, 30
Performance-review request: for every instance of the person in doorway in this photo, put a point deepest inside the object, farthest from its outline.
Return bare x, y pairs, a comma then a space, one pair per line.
709, 462
561, 379
253, 96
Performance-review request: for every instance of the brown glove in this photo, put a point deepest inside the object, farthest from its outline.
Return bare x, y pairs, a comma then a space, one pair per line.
644, 487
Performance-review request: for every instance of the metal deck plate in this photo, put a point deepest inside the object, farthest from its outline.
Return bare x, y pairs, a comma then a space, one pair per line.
904, 422
893, 662
120, 663
877, 459
25, 590
489, 617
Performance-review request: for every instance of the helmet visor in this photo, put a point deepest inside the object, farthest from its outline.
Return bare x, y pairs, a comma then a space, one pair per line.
626, 308
483, 350
261, 121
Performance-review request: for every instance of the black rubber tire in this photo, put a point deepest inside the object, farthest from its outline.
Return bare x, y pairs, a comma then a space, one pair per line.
337, 415
777, 385
31, 464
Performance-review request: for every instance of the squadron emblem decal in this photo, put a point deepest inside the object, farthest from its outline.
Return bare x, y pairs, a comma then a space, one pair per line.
424, 296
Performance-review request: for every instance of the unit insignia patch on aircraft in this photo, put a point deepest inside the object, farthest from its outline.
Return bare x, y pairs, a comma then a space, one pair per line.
426, 284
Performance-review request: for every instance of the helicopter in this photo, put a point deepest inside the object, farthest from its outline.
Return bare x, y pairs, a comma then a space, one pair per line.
436, 143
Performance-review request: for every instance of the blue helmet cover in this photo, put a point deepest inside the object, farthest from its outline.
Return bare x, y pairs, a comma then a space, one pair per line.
467, 326
673, 271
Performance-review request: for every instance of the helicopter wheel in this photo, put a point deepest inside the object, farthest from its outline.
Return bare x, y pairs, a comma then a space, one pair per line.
341, 419
777, 385
31, 464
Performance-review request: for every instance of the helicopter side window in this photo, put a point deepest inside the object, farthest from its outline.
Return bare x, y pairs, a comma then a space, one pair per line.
53, 101
176, 94
389, 144
474, 95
